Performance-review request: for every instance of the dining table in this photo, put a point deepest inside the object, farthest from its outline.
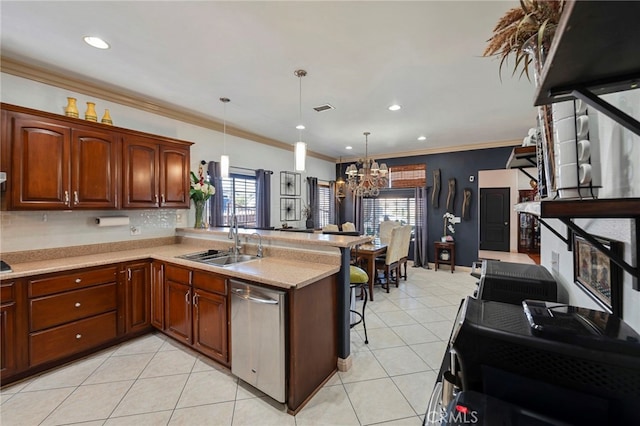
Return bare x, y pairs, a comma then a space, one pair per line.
368, 252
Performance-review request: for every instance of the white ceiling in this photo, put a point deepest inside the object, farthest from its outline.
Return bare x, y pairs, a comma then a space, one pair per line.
360, 57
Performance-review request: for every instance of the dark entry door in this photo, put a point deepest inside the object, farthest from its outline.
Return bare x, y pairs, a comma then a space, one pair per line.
494, 219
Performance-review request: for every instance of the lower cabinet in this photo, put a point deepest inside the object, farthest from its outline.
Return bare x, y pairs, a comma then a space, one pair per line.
137, 284
71, 312
195, 310
157, 295
13, 324
209, 324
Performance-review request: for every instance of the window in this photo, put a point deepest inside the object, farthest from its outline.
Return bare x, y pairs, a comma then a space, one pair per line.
239, 194
376, 210
324, 205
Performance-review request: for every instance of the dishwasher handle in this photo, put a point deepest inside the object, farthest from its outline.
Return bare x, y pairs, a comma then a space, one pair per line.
253, 296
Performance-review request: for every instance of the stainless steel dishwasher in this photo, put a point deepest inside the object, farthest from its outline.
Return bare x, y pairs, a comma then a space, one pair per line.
257, 337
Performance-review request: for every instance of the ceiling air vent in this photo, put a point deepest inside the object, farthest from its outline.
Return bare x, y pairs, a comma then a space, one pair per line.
324, 107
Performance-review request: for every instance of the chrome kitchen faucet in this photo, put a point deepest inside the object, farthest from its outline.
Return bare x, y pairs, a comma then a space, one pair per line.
233, 235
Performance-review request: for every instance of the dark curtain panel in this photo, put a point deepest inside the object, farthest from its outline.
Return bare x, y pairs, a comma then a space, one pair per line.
263, 201
357, 214
333, 210
216, 203
312, 197
420, 253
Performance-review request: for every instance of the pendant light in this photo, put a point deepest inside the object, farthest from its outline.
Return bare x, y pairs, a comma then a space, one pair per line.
300, 148
224, 158
366, 181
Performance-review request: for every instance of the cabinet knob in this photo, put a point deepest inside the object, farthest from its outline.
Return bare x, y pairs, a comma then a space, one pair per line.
77, 305
78, 336
156, 199
162, 199
66, 198
76, 200
78, 280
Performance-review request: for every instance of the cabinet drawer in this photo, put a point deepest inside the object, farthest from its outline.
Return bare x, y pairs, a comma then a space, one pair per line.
71, 338
49, 311
72, 281
210, 282
179, 275
7, 291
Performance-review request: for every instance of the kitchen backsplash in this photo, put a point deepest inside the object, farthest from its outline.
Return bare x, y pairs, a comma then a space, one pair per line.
26, 230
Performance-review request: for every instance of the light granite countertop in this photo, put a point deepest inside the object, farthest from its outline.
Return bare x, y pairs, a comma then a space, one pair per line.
277, 270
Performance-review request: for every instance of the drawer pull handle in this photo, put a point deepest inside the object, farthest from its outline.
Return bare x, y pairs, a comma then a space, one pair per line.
76, 201
77, 305
78, 280
78, 336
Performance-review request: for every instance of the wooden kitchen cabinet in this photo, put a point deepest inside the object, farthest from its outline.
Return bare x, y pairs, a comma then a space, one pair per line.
210, 319
71, 312
177, 308
157, 295
13, 341
155, 174
137, 297
196, 310
58, 166
56, 162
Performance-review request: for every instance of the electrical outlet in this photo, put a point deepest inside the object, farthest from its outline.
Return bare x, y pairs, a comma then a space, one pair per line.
135, 230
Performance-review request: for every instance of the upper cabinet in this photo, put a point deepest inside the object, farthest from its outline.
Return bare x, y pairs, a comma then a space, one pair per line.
60, 163
156, 174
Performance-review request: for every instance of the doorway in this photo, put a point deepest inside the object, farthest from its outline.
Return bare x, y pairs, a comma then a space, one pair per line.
494, 219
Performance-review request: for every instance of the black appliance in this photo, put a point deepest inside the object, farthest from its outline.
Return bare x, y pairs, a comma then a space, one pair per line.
513, 282
4, 266
570, 364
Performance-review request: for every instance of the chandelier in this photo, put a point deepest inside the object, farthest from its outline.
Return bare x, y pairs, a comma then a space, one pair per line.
366, 181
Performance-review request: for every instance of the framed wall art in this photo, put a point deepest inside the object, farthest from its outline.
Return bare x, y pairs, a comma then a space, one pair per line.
597, 275
289, 209
290, 184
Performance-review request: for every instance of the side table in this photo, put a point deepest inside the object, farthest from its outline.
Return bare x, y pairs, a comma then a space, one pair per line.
445, 254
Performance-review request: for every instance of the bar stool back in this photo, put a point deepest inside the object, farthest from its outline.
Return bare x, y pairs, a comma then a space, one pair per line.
359, 279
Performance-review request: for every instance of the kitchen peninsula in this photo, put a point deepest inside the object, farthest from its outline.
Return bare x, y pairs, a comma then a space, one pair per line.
118, 292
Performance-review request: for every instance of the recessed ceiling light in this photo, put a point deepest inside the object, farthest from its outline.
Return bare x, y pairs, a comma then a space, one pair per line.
300, 127
96, 42
394, 107
348, 147
422, 138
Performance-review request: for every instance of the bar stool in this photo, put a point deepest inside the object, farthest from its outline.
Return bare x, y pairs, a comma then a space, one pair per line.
359, 279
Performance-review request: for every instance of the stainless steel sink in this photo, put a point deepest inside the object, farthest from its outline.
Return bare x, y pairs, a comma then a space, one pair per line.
218, 258
230, 259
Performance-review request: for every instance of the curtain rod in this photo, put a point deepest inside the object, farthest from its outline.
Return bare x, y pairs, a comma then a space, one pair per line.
244, 168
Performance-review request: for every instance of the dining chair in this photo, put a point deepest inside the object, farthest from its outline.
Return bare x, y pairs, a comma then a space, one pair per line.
348, 227
331, 228
390, 263
385, 230
404, 250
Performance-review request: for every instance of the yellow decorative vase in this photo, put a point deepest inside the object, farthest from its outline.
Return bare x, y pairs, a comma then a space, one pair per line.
71, 110
91, 115
106, 118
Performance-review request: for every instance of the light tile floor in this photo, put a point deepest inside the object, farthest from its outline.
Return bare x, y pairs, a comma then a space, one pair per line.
155, 381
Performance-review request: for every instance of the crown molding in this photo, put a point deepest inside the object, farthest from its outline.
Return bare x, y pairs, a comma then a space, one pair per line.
439, 150
81, 84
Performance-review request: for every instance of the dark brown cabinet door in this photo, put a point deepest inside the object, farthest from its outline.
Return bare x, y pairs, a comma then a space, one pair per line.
157, 295
210, 324
140, 172
178, 310
40, 165
94, 169
8, 355
174, 177
138, 297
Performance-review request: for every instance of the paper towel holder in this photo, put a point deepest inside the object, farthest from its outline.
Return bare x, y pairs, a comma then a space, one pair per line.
112, 221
